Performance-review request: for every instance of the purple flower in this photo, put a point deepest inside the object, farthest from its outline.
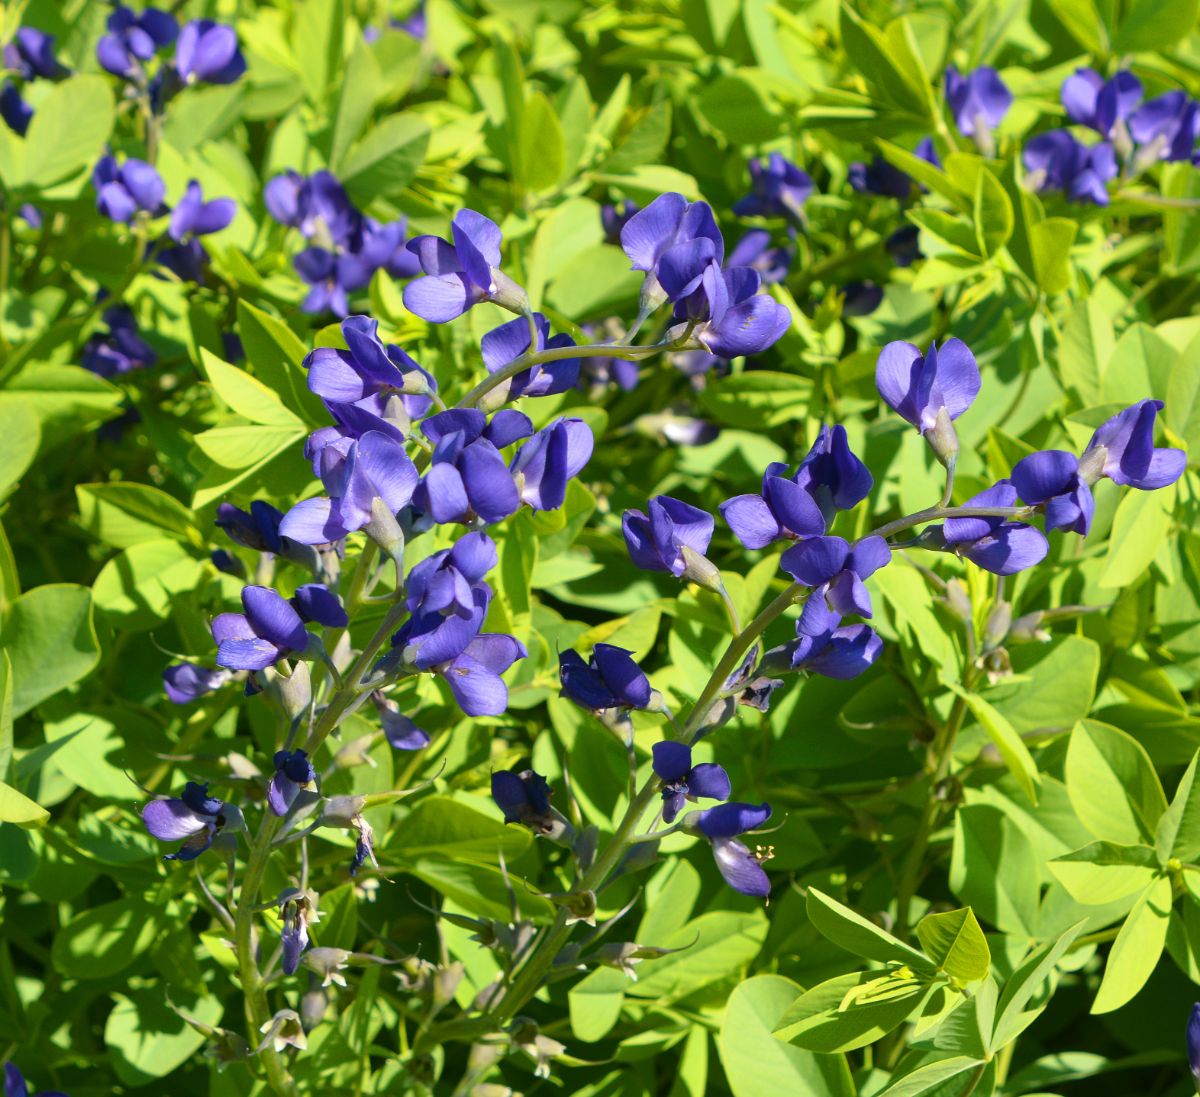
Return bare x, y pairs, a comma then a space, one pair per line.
445, 582
610, 679
979, 101
332, 278
268, 630
672, 537
837, 569
1193, 1042
672, 240
722, 825
861, 298
903, 245
727, 315
929, 390
384, 247
829, 479
682, 781
400, 732
467, 477
187, 261
17, 114
823, 646
1057, 161
121, 349
194, 816
1050, 480
294, 934
14, 1084
1167, 127
1123, 448
509, 341
193, 216
318, 206
318, 605
460, 275
926, 150
293, 772
369, 480
134, 38
524, 798
31, 54
614, 216
754, 250
880, 177
208, 52
1100, 104
994, 544
127, 189
187, 682
224, 561
258, 529
367, 369
544, 465
778, 188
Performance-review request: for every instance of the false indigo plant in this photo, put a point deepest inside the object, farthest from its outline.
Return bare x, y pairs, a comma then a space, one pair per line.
531, 559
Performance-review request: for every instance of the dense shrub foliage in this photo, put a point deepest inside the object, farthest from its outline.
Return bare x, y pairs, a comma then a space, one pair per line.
630, 548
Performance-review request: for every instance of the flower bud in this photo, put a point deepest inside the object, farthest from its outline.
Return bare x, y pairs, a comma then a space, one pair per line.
1029, 627
957, 600
998, 623
284, 1030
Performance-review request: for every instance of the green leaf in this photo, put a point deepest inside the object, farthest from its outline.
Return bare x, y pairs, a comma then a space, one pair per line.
930, 177
994, 867
1112, 784
51, 640
822, 1020
595, 1002
104, 940
949, 229
889, 63
123, 514
384, 162
1050, 244
1183, 398
932, 1077
993, 213
645, 141
136, 587
1011, 1016
22, 435
1104, 872
16, 807
1155, 24
442, 827
757, 400
361, 88
317, 36
148, 1040
275, 353
1082, 21
69, 131
1139, 531
244, 395
855, 934
541, 148
1087, 345
758, 1063
1178, 831
1012, 748
6, 714
1137, 948
736, 106
955, 943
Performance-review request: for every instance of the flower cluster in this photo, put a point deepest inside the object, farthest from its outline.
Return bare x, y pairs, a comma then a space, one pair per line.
345, 247
206, 52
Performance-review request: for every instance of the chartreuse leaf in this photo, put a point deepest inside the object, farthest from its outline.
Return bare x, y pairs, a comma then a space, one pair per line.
1139, 531
955, 942
541, 148
1104, 872
275, 353
855, 934
851, 1011
1137, 948
22, 436
125, 514
50, 638
245, 395
757, 1063
386, 159
888, 63
1155, 24
933, 1077
6, 713
1050, 245
927, 175
69, 130
1011, 1016
147, 1040
16, 807
1012, 748
993, 213
595, 1003
1178, 832
1112, 784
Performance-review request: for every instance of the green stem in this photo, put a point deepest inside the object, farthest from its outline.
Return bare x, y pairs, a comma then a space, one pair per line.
934, 514
5, 260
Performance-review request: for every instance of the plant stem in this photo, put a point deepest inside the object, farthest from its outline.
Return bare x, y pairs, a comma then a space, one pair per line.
933, 514
5, 262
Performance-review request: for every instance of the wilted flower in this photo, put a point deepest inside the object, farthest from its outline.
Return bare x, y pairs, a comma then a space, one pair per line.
610, 679
293, 772
194, 816
837, 570
682, 781
460, 275
524, 798
401, 732
134, 38
778, 188
979, 100
722, 825
284, 1030
208, 53
127, 189
268, 630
